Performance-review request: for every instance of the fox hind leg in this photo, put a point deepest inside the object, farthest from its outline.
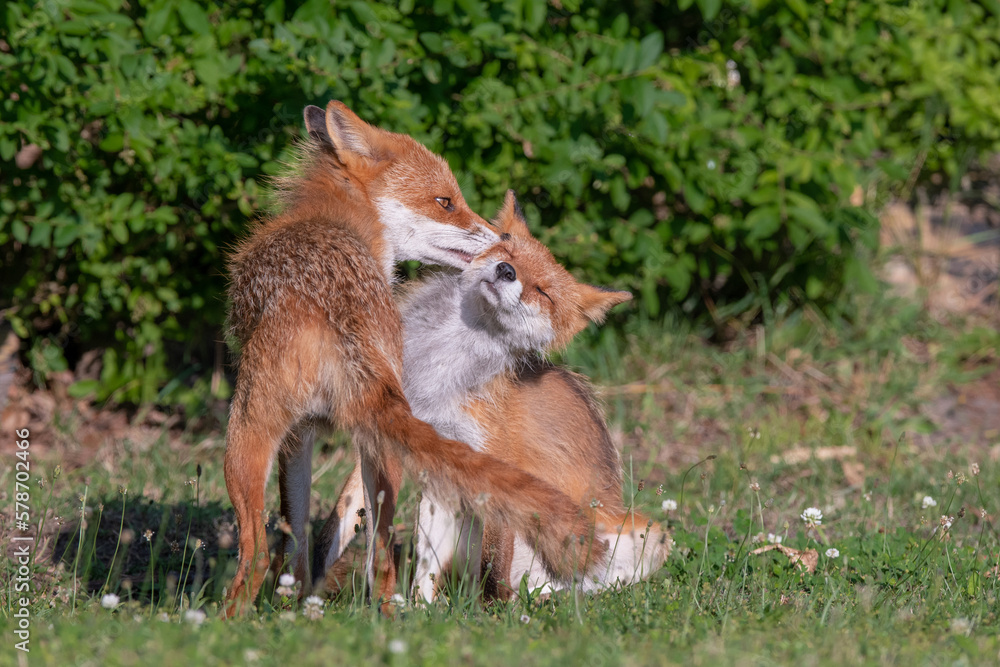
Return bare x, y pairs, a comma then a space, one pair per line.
272, 388
381, 478
295, 482
251, 445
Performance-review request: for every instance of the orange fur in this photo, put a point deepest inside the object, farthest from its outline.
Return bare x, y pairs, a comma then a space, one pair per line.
545, 419
320, 341
542, 419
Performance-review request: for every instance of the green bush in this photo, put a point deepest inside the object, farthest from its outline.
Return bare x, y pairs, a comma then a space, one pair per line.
708, 155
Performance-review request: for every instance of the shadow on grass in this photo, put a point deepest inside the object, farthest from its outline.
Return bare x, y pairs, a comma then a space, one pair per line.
158, 552
152, 553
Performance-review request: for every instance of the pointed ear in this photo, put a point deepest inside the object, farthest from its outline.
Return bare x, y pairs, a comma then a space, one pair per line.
341, 129
316, 125
510, 218
595, 302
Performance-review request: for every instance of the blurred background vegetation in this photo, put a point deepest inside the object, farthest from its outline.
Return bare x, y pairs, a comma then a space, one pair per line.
726, 161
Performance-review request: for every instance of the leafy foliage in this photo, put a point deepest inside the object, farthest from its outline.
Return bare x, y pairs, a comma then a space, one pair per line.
720, 156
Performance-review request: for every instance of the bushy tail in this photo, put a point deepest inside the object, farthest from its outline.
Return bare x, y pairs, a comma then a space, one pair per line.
557, 528
637, 547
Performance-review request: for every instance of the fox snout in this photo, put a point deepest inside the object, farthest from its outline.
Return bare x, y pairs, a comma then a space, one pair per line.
506, 272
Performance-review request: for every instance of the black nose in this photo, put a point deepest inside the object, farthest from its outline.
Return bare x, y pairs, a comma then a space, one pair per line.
506, 272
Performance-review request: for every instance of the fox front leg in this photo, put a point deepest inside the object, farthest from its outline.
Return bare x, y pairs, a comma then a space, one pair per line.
438, 535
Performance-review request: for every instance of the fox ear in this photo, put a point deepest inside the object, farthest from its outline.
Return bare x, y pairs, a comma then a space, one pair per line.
510, 217
340, 129
595, 302
316, 125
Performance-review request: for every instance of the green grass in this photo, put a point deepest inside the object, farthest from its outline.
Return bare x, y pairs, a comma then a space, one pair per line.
840, 410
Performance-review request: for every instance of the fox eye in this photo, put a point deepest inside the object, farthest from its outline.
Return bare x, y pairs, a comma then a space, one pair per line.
445, 203
542, 292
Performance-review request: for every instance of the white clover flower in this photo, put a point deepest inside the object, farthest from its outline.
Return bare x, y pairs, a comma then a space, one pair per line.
286, 585
312, 608
398, 600
195, 616
669, 505
812, 516
525, 619
946, 521
710, 164
832, 553
961, 626
774, 539
928, 502
397, 646
287, 616
110, 601
163, 617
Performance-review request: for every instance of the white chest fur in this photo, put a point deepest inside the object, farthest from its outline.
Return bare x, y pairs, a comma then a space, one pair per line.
447, 358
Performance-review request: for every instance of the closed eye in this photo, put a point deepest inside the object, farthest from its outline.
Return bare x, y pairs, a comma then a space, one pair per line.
542, 292
445, 203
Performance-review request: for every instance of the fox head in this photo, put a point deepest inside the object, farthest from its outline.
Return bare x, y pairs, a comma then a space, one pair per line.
518, 288
416, 197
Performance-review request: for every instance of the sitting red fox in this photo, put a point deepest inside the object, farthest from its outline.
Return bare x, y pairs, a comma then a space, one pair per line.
471, 369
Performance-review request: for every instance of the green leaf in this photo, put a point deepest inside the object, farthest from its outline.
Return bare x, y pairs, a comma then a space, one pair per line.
620, 196
19, 231
156, 20
194, 17
811, 218
654, 126
762, 222
709, 8
534, 12
74, 27
432, 41
41, 234
650, 49
799, 7
113, 143
384, 53
65, 235
83, 388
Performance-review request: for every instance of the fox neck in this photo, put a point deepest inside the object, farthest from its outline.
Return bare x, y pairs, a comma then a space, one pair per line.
325, 191
449, 357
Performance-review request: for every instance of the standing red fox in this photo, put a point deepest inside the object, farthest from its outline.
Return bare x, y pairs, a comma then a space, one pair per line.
471, 369
320, 342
